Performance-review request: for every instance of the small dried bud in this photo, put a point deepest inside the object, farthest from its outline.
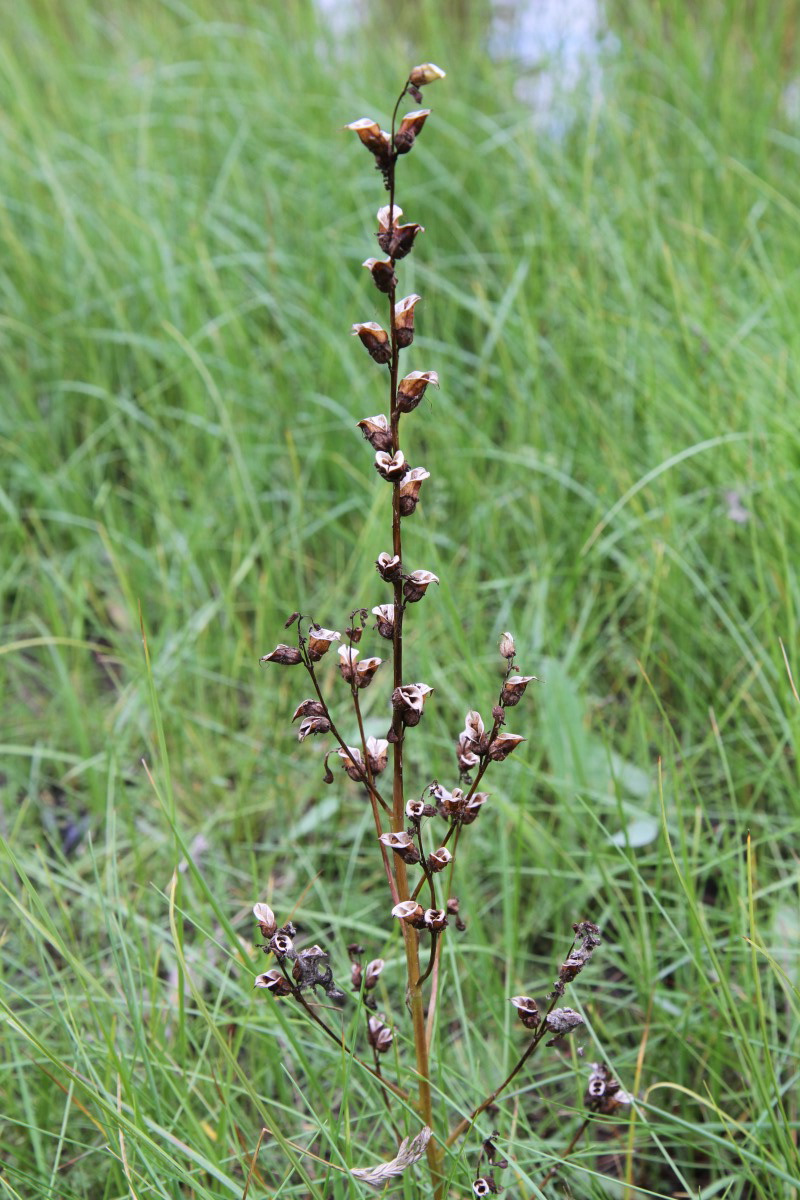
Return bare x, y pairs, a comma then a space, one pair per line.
286, 656
410, 126
356, 975
274, 981
425, 73
503, 744
309, 708
435, 919
409, 700
281, 945
410, 911
453, 911
379, 1035
396, 240
513, 689
373, 971
562, 1021
402, 844
439, 860
266, 919
390, 466
352, 762
404, 320
347, 662
389, 567
320, 640
313, 725
377, 749
411, 389
507, 647
377, 432
382, 272
409, 489
375, 339
417, 583
385, 620
528, 1010
365, 671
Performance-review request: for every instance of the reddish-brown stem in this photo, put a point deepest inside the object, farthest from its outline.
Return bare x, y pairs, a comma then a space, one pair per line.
576, 1137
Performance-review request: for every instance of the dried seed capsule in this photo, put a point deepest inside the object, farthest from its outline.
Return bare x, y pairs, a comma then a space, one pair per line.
410, 126
409, 489
502, 746
425, 73
377, 432
266, 919
382, 273
435, 919
389, 567
417, 583
391, 467
404, 320
513, 689
274, 981
385, 614
439, 859
379, 1035
372, 973
320, 641
410, 911
285, 656
528, 1010
374, 339
411, 389
507, 647
402, 844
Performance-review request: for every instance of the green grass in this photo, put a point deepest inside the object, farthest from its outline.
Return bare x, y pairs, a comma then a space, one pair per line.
613, 313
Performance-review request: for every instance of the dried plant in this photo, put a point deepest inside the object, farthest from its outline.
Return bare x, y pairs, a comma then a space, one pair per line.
419, 862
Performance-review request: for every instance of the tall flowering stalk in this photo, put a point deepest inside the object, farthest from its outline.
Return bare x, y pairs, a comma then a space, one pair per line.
423, 905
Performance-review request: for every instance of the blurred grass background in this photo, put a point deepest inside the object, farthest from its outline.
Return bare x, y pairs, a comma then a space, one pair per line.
610, 292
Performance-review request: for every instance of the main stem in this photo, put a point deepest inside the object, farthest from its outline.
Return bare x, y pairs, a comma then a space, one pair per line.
411, 937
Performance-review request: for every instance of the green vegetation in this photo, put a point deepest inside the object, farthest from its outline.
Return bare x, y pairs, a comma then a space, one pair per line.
615, 315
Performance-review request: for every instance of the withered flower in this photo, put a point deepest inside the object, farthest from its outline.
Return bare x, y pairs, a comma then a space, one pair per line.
281, 945
603, 1094
390, 466
310, 725
410, 911
473, 807
382, 273
528, 1010
266, 919
352, 762
417, 809
503, 744
379, 1035
409, 489
286, 656
410, 126
389, 567
439, 860
274, 981
409, 700
374, 339
465, 753
396, 240
320, 641
372, 973
411, 389
377, 140
377, 432
417, 583
507, 647
377, 749
385, 620
425, 73
449, 804
365, 671
513, 689
309, 708
475, 732
485, 1185
587, 935
562, 1021
347, 663
402, 844
404, 319
435, 919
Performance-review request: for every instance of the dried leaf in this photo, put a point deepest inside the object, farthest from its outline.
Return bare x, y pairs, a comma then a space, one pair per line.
409, 1151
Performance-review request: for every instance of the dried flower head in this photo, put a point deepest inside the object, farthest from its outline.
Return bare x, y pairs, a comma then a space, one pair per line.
439, 859
384, 624
513, 689
389, 567
391, 467
376, 140
410, 911
485, 1185
382, 273
502, 745
352, 762
348, 658
285, 656
465, 753
320, 641
377, 432
374, 339
274, 981
281, 945
402, 844
266, 919
411, 389
312, 725
528, 1010
416, 585
404, 319
379, 1036
425, 73
309, 708
603, 1094
435, 919
507, 647
372, 973
409, 489
409, 701
365, 671
562, 1021
410, 127
377, 754
396, 240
